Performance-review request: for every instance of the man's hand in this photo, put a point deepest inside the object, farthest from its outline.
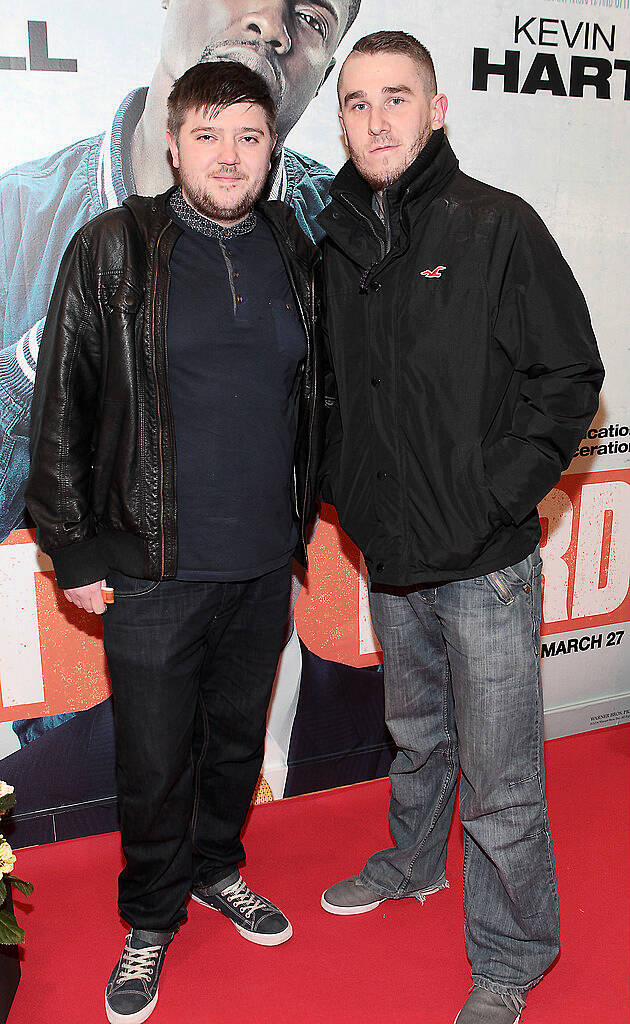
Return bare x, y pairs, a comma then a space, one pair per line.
89, 597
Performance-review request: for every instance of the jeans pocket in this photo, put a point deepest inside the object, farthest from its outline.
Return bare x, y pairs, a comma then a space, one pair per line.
129, 586
507, 582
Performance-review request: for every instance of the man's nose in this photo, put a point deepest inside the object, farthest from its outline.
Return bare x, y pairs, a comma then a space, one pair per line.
227, 152
377, 122
266, 19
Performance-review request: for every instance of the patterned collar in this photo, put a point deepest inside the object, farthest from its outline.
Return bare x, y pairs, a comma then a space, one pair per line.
204, 225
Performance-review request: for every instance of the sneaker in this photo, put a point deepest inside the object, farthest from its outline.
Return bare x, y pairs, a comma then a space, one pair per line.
132, 989
254, 917
353, 897
485, 1007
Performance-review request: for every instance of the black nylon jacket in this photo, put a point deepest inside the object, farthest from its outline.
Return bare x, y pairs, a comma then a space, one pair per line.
102, 482
466, 371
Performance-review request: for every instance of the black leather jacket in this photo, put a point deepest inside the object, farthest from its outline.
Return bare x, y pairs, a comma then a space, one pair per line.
102, 483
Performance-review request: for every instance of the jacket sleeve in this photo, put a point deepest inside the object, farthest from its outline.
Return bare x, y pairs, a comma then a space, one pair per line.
543, 326
63, 422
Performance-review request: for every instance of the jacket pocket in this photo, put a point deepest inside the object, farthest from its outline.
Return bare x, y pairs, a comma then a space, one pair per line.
460, 515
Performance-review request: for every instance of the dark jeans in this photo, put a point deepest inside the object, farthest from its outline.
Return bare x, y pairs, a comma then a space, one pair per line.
192, 666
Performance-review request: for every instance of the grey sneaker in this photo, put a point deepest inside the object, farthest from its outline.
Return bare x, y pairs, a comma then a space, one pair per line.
484, 1007
254, 917
132, 990
353, 897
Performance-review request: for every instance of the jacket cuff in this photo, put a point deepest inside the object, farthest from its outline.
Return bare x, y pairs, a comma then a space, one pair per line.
79, 564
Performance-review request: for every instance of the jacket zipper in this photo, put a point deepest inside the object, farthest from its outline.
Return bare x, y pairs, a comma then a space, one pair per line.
381, 244
310, 353
157, 396
310, 428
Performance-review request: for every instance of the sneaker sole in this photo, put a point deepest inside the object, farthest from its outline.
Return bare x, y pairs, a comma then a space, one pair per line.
131, 1018
331, 908
364, 908
515, 1021
257, 937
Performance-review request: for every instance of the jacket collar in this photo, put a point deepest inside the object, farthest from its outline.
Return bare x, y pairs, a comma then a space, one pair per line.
429, 173
277, 214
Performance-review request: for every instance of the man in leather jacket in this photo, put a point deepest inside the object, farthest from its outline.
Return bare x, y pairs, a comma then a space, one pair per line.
175, 442
467, 372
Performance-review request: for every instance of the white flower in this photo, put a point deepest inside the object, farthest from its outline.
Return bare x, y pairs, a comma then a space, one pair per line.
7, 857
5, 789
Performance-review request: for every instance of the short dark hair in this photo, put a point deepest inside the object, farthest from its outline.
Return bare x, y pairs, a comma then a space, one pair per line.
215, 85
403, 43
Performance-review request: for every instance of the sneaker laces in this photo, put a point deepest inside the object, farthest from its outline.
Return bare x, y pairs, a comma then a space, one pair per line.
138, 963
243, 899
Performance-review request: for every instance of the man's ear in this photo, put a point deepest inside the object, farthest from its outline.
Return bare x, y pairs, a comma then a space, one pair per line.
165, 4
343, 127
326, 74
439, 106
174, 148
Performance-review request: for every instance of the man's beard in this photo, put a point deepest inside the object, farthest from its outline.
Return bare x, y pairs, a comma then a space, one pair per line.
384, 176
206, 204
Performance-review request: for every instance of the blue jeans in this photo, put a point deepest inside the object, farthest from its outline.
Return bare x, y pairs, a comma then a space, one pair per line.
192, 666
463, 692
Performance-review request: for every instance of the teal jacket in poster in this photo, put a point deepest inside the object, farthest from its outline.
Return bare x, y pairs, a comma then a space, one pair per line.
42, 204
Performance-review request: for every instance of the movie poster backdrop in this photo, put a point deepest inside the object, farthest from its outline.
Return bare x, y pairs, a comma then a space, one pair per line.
539, 103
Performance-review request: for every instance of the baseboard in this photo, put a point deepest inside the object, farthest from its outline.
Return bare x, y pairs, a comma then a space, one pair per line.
587, 715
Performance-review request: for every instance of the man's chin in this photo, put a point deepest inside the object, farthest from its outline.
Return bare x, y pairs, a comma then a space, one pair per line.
222, 210
379, 178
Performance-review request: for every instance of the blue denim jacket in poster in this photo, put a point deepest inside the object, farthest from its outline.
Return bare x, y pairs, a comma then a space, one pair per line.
42, 204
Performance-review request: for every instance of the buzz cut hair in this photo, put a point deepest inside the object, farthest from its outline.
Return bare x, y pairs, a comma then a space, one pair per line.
404, 43
211, 86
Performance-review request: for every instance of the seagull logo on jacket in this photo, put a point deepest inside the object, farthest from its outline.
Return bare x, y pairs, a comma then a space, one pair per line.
433, 273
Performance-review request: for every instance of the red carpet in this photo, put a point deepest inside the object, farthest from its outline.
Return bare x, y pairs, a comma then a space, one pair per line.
401, 963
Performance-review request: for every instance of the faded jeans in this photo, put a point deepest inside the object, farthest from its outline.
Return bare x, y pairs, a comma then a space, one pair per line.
463, 692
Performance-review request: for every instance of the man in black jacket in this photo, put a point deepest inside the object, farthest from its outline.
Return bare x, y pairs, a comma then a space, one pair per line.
467, 372
175, 438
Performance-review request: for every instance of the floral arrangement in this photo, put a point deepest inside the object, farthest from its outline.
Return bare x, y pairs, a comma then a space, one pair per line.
10, 931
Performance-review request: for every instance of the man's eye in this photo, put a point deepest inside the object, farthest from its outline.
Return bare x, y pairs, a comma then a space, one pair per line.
360, 106
314, 21
249, 138
396, 101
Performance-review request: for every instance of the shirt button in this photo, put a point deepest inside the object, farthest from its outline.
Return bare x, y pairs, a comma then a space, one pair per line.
239, 298
375, 382
380, 566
